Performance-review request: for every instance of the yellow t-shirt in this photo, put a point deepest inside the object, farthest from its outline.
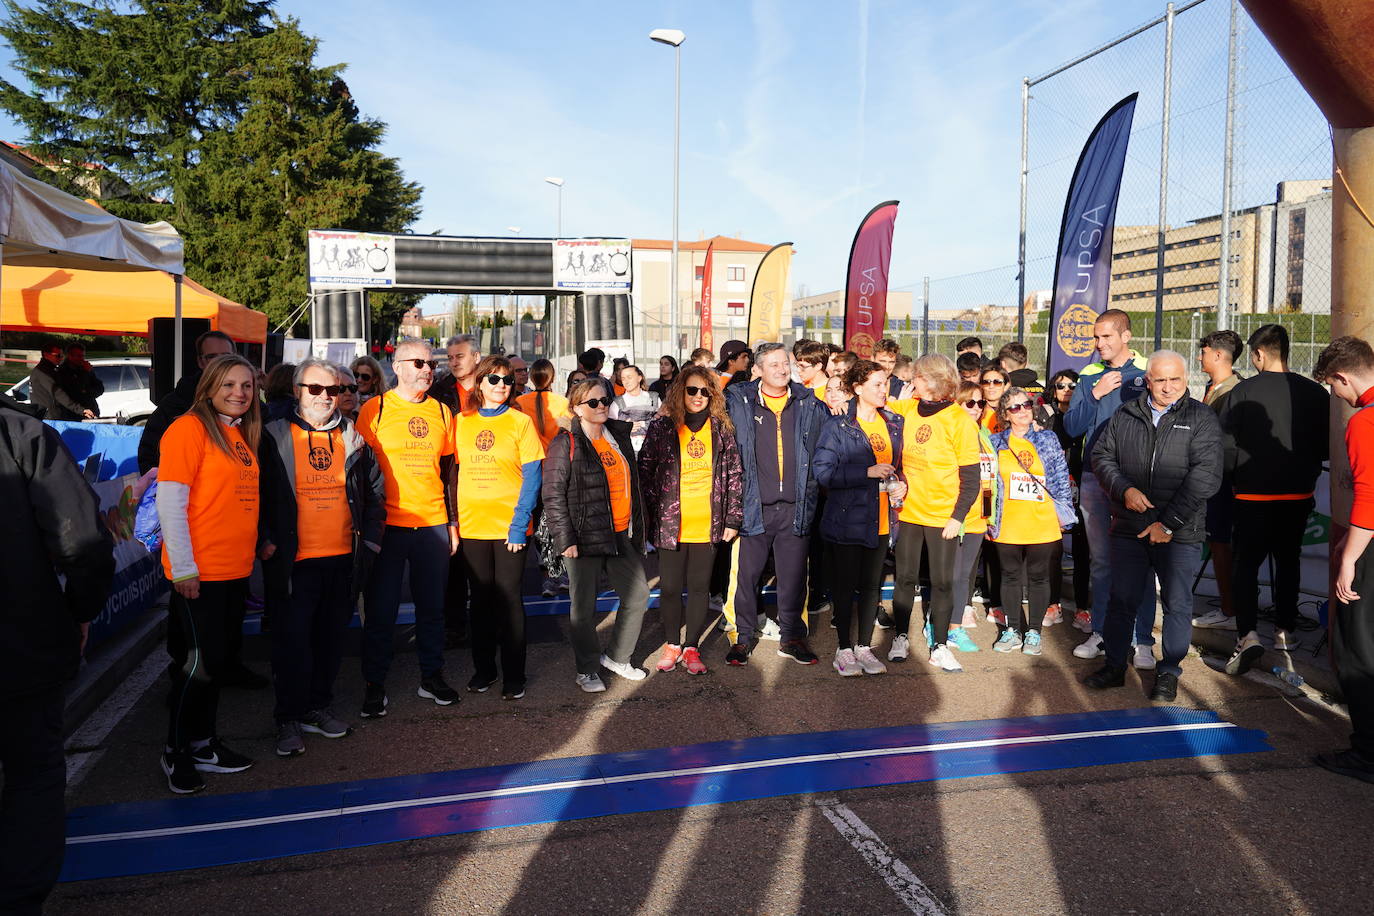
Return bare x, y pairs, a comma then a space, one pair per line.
491, 454
881, 443
933, 450
1028, 515
777, 405
617, 481
694, 488
222, 509
409, 439
324, 523
819, 387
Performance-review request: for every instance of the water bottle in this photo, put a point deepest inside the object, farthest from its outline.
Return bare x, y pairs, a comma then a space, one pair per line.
1291, 678
894, 502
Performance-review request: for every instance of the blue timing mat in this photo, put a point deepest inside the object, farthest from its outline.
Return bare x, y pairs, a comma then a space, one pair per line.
171, 834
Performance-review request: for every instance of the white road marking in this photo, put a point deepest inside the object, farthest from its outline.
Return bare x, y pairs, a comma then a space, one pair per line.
635, 777
913, 893
98, 725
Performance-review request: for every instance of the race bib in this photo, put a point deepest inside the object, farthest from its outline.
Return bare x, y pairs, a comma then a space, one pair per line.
987, 468
1024, 487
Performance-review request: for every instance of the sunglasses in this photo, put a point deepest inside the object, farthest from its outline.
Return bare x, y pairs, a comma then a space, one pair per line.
993, 381
331, 390
494, 379
420, 363
1018, 407
1065, 386
693, 391
363, 376
980, 403
594, 403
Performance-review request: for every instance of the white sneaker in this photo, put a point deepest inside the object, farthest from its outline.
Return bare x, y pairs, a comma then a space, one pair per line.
1083, 620
1248, 651
1053, 614
1091, 647
900, 649
868, 661
1214, 620
970, 621
626, 670
1285, 640
770, 629
590, 683
944, 659
846, 664
1144, 657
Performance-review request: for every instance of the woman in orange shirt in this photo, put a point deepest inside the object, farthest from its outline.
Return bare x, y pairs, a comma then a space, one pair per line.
543, 405
994, 382
207, 504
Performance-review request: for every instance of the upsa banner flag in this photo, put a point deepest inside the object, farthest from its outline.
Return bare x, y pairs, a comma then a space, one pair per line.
1083, 270
706, 303
765, 299
865, 296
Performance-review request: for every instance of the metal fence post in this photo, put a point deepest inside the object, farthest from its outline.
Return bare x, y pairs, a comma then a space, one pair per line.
1164, 170
925, 315
1021, 245
1224, 271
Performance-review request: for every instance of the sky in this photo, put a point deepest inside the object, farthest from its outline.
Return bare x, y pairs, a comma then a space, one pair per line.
797, 118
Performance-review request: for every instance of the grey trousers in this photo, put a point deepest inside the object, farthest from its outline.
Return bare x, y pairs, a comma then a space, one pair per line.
626, 574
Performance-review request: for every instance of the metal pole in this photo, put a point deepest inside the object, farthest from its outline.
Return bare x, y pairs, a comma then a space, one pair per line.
1021, 246
176, 329
560, 211
1224, 272
675, 345
925, 315
1164, 171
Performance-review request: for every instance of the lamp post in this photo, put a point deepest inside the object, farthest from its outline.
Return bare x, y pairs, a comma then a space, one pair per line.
674, 38
558, 183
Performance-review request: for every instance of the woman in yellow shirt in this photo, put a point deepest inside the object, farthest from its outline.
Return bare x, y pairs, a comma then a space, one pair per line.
543, 405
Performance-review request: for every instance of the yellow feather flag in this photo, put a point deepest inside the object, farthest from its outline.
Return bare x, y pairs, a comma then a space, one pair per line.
770, 289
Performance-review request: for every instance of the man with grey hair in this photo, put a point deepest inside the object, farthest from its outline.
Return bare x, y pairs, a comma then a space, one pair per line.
1159, 460
454, 387
323, 513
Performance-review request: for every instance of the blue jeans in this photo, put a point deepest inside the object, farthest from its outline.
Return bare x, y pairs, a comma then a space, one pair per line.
1135, 564
427, 551
1097, 517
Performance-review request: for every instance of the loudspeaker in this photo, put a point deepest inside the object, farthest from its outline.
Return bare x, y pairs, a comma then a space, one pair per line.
162, 333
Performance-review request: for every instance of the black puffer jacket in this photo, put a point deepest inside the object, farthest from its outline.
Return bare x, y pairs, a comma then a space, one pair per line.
1177, 465
577, 501
52, 525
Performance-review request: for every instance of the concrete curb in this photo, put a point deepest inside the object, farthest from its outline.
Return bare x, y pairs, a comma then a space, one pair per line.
110, 664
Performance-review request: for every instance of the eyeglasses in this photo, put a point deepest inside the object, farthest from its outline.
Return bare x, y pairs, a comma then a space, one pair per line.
363, 376
331, 390
1018, 407
1065, 386
694, 392
980, 403
994, 381
351, 389
594, 403
420, 363
494, 379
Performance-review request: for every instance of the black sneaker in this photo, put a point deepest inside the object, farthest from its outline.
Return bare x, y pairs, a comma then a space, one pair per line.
181, 774
1105, 677
738, 655
216, 758
1166, 688
434, 688
512, 691
374, 702
885, 621
480, 683
245, 678
1349, 762
798, 651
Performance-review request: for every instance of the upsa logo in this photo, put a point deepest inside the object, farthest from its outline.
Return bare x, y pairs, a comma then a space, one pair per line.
418, 427
696, 448
320, 459
1025, 459
243, 454
1074, 332
485, 440
923, 434
876, 442
608, 459
862, 345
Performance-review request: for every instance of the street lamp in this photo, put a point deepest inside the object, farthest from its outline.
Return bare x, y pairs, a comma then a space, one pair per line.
513, 230
558, 183
674, 38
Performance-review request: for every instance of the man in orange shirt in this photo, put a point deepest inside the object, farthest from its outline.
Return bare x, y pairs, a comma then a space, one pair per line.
323, 514
411, 434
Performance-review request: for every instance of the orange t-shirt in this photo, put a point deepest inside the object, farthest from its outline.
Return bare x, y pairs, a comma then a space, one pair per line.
222, 510
409, 439
555, 407
881, 443
990, 421
324, 523
617, 481
492, 453
696, 455
933, 450
1028, 515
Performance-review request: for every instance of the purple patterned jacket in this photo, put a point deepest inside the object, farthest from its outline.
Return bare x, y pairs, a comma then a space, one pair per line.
660, 470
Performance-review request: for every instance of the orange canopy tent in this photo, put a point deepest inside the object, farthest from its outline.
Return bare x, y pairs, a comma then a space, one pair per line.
114, 302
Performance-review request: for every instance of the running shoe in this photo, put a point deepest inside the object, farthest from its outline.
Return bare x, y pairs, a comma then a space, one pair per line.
846, 664
670, 657
970, 621
944, 659
290, 742
374, 702
214, 757
929, 635
798, 651
626, 670
1053, 614
1007, 642
1214, 620
1083, 620
182, 777
738, 656
437, 689
1144, 658
1090, 648
868, 661
1248, 651
961, 640
997, 616
770, 629
324, 722
590, 683
691, 659
1031, 644
900, 648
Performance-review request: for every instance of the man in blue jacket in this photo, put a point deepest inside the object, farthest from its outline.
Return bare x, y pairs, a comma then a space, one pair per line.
777, 423
1103, 387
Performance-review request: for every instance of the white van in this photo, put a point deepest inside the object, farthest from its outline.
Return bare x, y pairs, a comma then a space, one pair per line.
127, 396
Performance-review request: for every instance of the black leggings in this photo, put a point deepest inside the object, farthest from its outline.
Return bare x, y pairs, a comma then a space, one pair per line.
211, 627
497, 613
855, 568
912, 542
689, 565
1028, 566
965, 572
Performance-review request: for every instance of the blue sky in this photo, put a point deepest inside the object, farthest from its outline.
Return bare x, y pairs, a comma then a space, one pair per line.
796, 117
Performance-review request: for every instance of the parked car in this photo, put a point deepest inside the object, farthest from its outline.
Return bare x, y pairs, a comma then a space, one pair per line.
127, 395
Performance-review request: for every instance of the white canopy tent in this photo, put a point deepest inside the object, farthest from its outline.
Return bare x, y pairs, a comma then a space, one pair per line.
41, 226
